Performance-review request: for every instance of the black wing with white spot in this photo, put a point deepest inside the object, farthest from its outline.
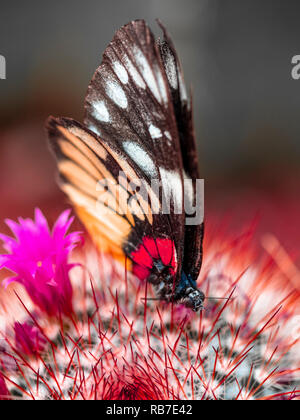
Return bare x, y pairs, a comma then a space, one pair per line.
130, 105
184, 118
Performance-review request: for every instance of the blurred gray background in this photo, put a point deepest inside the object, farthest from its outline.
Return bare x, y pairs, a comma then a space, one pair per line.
236, 55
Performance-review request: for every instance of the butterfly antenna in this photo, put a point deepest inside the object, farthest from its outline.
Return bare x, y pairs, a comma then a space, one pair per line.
151, 298
219, 298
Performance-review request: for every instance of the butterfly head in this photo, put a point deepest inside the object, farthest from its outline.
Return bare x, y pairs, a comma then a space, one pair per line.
188, 294
193, 299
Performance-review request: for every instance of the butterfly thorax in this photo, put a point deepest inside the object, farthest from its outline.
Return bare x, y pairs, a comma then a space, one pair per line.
188, 294
185, 293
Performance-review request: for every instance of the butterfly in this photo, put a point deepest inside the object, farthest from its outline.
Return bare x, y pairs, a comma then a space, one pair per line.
137, 134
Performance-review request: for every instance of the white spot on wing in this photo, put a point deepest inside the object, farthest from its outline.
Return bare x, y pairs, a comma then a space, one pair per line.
140, 157
188, 188
171, 70
116, 93
161, 84
172, 188
182, 88
120, 72
100, 111
93, 128
155, 132
134, 73
146, 72
168, 135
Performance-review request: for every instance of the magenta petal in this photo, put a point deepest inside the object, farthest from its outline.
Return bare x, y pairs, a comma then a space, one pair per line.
8, 263
62, 220
41, 222
40, 260
62, 225
8, 242
3, 260
13, 226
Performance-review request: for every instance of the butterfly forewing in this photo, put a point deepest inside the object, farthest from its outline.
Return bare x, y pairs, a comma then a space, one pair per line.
115, 213
129, 103
184, 118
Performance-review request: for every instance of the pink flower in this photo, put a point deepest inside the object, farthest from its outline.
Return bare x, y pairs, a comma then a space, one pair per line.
40, 260
29, 339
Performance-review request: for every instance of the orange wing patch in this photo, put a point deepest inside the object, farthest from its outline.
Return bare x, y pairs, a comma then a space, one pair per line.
106, 207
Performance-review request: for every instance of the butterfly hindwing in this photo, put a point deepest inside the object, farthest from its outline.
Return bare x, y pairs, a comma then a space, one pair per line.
114, 211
